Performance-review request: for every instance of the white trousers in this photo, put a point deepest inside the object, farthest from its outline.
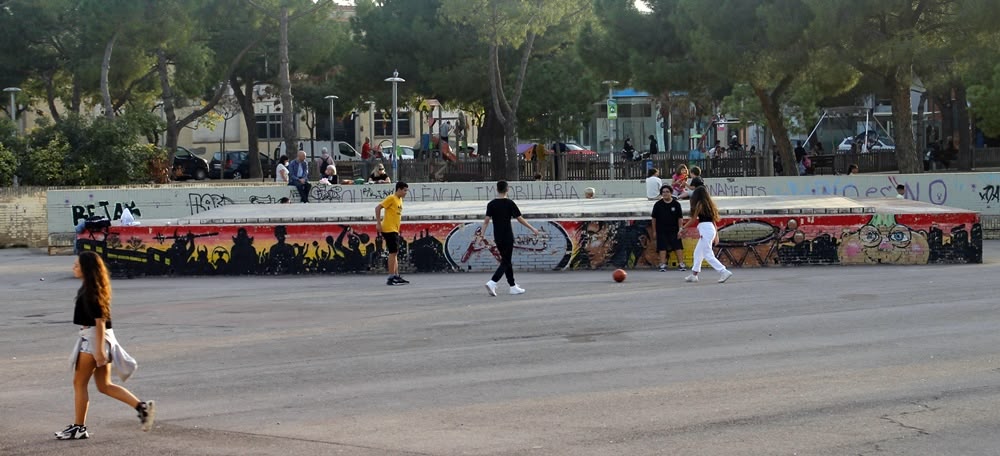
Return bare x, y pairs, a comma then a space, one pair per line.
703, 251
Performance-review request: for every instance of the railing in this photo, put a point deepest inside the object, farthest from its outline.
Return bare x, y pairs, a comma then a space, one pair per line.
986, 158
597, 167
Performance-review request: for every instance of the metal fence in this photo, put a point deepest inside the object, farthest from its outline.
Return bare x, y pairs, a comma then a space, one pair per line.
986, 158
597, 167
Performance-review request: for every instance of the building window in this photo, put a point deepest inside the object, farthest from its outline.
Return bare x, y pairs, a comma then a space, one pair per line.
269, 126
383, 124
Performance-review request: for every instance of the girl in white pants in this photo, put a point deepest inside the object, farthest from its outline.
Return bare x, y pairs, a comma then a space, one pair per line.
703, 211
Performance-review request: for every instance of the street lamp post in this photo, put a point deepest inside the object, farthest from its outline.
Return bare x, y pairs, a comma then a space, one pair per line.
13, 106
611, 126
331, 99
395, 80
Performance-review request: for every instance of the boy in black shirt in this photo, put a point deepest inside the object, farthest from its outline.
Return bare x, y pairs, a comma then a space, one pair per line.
667, 215
501, 210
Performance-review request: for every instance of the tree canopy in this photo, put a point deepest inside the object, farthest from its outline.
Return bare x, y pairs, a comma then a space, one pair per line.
530, 68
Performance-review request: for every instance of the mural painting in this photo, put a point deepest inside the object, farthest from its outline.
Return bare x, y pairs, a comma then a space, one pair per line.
561, 245
470, 249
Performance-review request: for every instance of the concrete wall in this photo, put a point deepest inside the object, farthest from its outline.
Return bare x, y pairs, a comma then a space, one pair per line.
563, 244
62, 207
23, 217
174, 201
972, 191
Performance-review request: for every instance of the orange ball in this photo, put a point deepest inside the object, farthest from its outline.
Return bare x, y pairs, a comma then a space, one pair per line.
619, 275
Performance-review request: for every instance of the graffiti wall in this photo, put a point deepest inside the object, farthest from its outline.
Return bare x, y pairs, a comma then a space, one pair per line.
65, 207
560, 245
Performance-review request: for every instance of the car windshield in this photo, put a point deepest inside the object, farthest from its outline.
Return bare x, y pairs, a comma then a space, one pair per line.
571, 146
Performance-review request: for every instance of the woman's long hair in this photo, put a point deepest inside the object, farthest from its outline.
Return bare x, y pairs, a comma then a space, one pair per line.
702, 204
96, 281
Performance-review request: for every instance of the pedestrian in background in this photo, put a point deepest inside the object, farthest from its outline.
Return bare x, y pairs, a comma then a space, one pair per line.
281, 171
653, 184
298, 176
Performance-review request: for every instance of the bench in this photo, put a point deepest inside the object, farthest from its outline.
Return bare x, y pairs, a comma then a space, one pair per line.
822, 163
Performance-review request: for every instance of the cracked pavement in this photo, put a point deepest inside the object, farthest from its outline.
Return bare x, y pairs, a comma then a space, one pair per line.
777, 361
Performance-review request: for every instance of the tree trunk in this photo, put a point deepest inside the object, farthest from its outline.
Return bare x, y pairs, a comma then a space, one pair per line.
768, 165
285, 82
77, 97
964, 130
947, 128
921, 124
109, 109
50, 96
776, 124
510, 150
173, 128
491, 141
907, 157
244, 97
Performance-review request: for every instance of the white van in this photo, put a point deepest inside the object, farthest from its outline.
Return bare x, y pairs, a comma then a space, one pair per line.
341, 151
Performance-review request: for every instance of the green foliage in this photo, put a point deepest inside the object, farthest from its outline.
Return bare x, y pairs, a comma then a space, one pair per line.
147, 163
985, 100
84, 151
8, 165
44, 163
558, 97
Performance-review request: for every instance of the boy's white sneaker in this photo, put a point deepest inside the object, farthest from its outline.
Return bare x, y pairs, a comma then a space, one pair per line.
726, 274
691, 278
516, 290
491, 288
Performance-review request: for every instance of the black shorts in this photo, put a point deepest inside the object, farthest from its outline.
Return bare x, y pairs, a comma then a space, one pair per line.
668, 241
391, 242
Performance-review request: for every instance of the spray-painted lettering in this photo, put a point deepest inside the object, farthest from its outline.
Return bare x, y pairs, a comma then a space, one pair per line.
101, 208
201, 202
990, 194
731, 189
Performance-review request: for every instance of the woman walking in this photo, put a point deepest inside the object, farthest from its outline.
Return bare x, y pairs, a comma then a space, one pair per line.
704, 212
97, 347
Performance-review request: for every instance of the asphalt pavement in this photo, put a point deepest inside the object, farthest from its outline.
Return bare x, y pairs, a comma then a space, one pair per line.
877, 360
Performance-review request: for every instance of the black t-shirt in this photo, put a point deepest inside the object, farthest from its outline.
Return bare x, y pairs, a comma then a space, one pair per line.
502, 211
87, 311
668, 216
799, 153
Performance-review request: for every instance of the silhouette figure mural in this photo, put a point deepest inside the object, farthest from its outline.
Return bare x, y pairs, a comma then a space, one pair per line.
577, 244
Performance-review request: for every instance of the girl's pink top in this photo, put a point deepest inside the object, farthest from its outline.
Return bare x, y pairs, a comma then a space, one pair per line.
680, 183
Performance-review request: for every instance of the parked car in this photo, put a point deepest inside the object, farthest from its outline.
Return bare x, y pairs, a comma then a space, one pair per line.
187, 165
578, 150
406, 152
572, 149
341, 151
237, 166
